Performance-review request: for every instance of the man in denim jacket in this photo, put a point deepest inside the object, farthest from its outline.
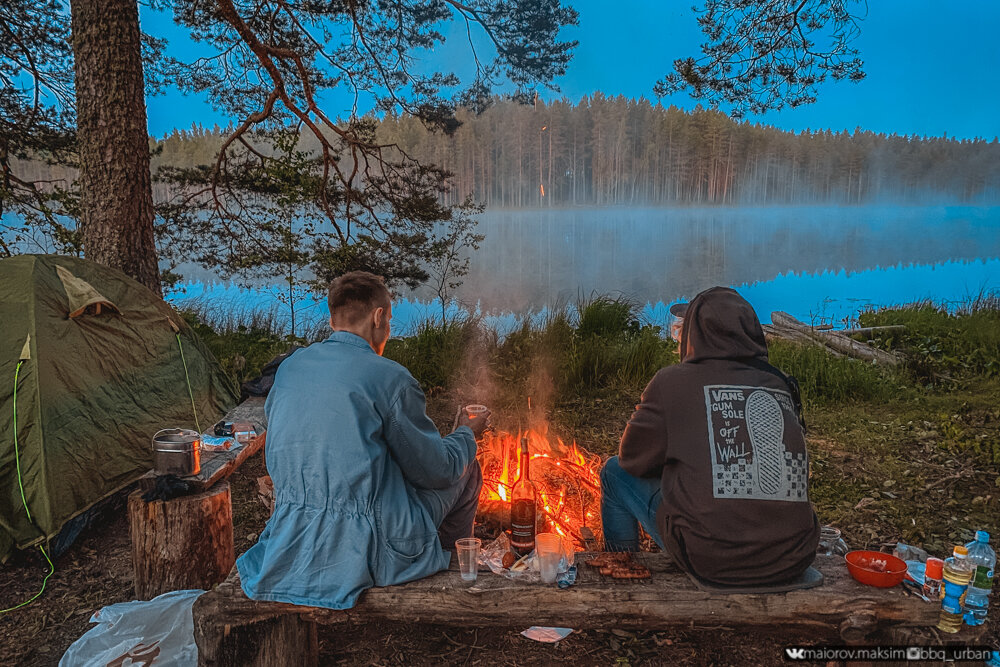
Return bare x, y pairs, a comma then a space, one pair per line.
366, 490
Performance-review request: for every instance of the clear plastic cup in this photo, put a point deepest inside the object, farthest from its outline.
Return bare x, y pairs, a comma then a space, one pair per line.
549, 550
476, 410
468, 557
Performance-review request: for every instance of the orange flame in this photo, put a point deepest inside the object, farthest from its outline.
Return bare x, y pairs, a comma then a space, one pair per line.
566, 479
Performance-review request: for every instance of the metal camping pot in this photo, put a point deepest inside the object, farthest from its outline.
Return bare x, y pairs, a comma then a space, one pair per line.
176, 451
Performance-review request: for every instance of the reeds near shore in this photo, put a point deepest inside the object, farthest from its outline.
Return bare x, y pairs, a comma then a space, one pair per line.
243, 339
600, 349
939, 342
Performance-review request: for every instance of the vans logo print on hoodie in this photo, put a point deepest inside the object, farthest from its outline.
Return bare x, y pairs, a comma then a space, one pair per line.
746, 435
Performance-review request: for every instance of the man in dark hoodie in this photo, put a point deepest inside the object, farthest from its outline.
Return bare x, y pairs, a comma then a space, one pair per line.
713, 462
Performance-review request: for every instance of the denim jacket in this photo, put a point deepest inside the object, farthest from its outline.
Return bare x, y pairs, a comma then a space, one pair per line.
348, 444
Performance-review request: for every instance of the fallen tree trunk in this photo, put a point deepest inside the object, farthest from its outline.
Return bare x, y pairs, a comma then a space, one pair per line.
836, 341
772, 333
233, 630
868, 331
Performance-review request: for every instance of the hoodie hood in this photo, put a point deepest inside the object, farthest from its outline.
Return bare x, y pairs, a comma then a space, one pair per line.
720, 324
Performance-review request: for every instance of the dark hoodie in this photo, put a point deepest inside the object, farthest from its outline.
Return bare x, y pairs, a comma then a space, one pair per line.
721, 430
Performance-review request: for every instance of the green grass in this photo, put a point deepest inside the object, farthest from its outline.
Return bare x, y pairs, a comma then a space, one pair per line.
435, 352
585, 368
925, 470
896, 454
826, 379
243, 341
958, 344
603, 354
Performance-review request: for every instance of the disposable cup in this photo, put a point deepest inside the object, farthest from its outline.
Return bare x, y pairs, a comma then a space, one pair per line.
468, 557
549, 550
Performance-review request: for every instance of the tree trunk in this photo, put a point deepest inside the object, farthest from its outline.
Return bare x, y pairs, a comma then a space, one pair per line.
182, 543
835, 340
116, 208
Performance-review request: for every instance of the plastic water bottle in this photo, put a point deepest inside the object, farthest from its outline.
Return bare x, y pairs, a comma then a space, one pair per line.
957, 573
984, 560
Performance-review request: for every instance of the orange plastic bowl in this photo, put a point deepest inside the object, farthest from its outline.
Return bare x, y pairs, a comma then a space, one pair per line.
875, 568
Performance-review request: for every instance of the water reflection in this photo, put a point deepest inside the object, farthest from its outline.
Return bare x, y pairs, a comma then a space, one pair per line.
830, 296
531, 259
817, 263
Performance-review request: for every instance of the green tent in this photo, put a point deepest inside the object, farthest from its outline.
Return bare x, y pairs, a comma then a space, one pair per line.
99, 362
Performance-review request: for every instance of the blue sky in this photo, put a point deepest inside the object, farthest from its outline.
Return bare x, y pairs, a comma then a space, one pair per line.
933, 67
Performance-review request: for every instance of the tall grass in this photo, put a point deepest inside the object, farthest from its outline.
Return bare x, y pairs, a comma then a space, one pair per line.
243, 339
607, 349
828, 379
963, 342
601, 349
435, 351
611, 349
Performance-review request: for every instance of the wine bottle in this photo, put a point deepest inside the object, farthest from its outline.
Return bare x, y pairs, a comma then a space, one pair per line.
522, 509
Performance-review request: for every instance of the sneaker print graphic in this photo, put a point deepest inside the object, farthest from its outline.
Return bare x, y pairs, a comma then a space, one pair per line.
765, 426
750, 456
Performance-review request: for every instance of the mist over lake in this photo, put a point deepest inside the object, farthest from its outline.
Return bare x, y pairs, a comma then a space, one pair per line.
816, 262
535, 258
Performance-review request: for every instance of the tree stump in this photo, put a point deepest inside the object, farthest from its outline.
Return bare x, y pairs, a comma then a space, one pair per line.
182, 543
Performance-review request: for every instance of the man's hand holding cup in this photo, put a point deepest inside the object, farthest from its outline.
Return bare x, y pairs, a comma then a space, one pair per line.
476, 417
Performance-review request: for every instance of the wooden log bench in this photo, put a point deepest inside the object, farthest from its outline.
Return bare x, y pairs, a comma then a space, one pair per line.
231, 629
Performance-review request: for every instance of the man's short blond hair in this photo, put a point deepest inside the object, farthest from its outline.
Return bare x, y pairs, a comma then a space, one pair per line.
355, 294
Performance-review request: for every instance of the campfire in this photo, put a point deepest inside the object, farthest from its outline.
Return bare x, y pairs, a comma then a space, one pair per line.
566, 479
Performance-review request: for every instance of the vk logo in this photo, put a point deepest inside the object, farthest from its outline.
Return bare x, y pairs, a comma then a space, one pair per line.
796, 653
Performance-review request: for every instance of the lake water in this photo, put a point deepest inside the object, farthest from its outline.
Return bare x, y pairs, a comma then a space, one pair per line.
818, 263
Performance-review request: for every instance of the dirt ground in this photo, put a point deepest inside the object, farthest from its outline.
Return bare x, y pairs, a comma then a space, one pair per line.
96, 571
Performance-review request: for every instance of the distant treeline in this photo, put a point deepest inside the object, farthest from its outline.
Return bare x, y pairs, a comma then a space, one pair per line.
606, 151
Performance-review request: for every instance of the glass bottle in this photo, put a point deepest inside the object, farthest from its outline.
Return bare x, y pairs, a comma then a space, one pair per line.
522, 508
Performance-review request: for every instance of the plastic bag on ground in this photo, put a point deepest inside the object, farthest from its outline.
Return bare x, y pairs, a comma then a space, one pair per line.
159, 632
909, 552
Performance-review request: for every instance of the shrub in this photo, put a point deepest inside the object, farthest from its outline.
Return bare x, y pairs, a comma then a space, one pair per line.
612, 349
607, 317
435, 352
242, 341
937, 343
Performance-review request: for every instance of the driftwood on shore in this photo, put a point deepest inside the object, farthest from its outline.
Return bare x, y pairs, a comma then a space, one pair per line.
870, 331
838, 343
772, 332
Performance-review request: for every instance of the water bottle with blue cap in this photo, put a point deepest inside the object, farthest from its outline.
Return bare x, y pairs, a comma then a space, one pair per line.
983, 558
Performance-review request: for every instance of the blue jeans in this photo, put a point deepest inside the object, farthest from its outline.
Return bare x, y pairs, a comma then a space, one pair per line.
454, 509
627, 501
